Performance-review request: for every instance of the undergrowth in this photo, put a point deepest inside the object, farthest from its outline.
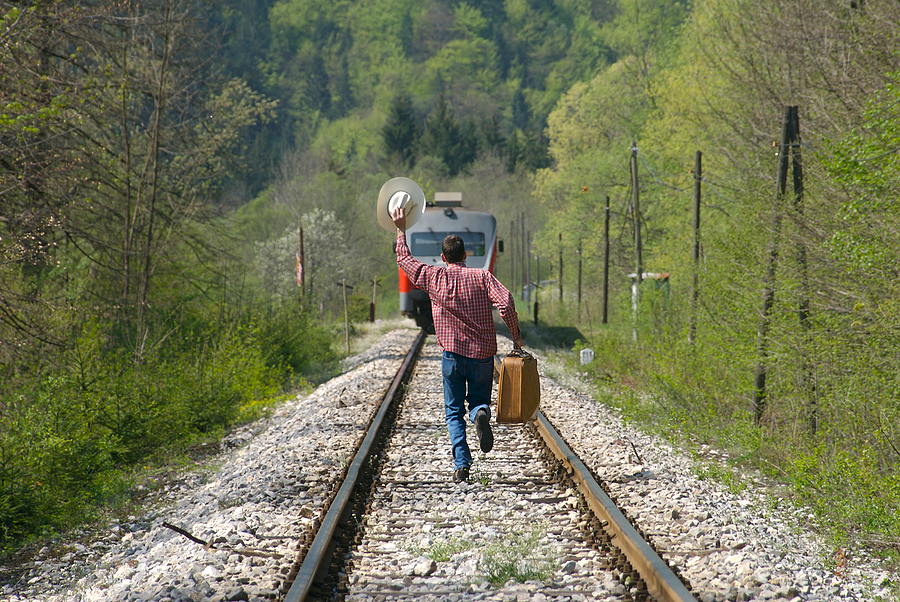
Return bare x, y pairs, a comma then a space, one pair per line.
845, 471
77, 442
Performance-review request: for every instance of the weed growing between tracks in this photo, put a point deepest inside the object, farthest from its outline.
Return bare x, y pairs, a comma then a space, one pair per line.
440, 549
478, 475
521, 556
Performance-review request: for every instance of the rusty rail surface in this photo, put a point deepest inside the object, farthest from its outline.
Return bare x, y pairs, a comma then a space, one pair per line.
317, 559
662, 583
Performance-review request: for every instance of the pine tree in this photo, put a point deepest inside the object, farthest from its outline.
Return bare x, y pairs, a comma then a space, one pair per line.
493, 137
513, 152
446, 139
401, 132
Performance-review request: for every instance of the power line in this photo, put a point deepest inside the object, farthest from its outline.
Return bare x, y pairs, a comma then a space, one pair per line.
714, 191
658, 181
669, 186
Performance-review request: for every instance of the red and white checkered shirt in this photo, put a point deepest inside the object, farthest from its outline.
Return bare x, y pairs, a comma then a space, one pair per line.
461, 300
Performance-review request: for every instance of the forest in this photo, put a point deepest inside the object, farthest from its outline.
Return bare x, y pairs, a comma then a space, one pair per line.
158, 159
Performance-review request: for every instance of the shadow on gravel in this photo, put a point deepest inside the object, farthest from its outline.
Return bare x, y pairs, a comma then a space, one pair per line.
542, 337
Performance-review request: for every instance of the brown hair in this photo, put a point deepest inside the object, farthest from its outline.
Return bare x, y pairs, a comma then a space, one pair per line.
453, 248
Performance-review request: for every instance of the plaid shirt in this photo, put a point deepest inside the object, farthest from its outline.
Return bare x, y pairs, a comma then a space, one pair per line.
461, 300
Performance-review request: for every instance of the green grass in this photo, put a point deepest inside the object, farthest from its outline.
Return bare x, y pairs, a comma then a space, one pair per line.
441, 548
846, 474
721, 474
519, 556
478, 475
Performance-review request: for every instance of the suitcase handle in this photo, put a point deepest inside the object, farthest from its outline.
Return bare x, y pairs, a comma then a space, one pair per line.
518, 353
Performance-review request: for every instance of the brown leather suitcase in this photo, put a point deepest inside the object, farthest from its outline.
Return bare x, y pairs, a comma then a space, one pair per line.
520, 388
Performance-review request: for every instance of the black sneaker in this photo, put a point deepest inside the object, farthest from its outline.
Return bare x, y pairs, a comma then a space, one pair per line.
461, 474
483, 428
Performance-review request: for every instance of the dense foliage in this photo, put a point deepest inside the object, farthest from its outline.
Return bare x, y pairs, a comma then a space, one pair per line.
125, 333
158, 162
827, 417
337, 69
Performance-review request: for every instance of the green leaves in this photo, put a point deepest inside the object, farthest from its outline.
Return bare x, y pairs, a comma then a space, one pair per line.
466, 63
469, 21
865, 164
336, 68
401, 132
64, 443
446, 139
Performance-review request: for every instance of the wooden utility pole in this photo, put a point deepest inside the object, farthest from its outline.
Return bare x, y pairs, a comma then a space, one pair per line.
605, 260
528, 278
806, 371
512, 255
346, 314
374, 299
579, 281
537, 288
695, 250
526, 260
300, 274
768, 297
560, 268
639, 263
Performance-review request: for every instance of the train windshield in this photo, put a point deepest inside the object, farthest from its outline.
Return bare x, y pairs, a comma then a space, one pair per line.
429, 243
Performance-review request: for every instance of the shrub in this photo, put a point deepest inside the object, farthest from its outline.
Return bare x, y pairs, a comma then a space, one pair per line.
292, 340
66, 441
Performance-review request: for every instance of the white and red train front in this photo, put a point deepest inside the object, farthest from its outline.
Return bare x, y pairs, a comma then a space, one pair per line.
446, 215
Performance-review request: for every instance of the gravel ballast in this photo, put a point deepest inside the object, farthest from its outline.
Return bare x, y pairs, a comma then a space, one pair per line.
252, 503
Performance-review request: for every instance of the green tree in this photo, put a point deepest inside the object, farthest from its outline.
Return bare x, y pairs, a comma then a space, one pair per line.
336, 68
115, 137
145, 136
447, 140
401, 132
492, 137
514, 152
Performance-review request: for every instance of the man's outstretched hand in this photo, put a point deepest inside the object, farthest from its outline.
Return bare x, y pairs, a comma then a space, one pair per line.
398, 216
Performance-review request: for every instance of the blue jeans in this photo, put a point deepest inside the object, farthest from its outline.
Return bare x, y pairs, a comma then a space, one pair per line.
461, 373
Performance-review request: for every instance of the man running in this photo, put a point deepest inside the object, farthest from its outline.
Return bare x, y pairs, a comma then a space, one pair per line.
461, 301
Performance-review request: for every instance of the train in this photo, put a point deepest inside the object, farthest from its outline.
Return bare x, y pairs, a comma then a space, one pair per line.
446, 215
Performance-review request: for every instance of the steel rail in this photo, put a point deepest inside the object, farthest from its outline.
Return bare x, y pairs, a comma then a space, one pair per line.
662, 583
317, 559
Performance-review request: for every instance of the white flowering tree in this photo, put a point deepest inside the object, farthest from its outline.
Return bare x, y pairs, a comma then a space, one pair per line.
328, 258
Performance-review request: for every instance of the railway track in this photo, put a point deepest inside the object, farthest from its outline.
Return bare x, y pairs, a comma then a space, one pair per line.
240, 519
531, 521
